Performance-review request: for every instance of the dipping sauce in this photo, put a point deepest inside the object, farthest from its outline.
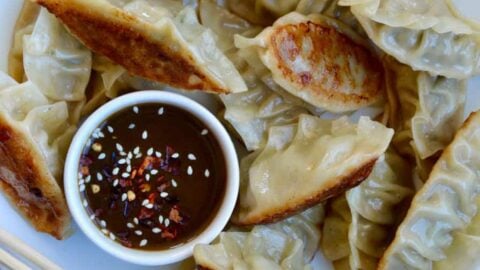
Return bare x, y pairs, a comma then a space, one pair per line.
152, 177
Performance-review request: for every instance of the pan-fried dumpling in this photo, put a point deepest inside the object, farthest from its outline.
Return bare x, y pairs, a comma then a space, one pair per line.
423, 34
306, 163
261, 12
359, 225
425, 112
55, 61
444, 205
34, 137
150, 39
289, 244
252, 113
319, 60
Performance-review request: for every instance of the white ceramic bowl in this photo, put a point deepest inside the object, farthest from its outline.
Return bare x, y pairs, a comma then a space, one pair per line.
73, 196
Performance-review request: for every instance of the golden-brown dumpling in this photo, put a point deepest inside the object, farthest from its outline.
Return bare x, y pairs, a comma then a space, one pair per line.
306, 163
150, 40
320, 60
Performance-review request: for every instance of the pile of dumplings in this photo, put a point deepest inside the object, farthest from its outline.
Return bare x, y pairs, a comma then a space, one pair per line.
349, 116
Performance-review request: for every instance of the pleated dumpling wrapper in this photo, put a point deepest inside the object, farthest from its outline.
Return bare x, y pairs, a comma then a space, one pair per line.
306, 163
160, 41
320, 60
359, 225
34, 138
428, 35
289, 244
444, 205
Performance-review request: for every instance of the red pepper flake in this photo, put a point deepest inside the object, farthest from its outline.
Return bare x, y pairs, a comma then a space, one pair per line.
125, 183
145, 213
145, 187
125, 242
146, 164
134, 173
161, 178
84, 170
152, 197
175, 215
169, 234
4, 135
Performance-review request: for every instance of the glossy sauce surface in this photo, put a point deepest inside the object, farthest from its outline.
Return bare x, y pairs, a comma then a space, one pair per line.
152, 177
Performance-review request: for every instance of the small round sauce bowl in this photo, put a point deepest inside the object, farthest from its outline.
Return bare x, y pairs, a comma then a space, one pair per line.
144, 181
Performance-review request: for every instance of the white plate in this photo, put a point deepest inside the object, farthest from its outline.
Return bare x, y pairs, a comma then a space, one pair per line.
77, 252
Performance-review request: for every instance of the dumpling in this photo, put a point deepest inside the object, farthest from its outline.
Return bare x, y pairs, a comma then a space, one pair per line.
152, 40
261, 12
465, 247
34, 136
289, 244
55, 61
306, 163
359, 225
425, 112
424, 34
444, 205
252, 113
23, 26
319, 60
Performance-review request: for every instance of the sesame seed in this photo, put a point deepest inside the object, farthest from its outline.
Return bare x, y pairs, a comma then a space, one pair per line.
164, 194
112, 236
175, 155
115, 182
160, 219
105, 231
130, 155
167, 222
145, 202
96, 147
138, 232
88, 178
158, 154
103, 223
147, 177
101, 135
149, 206
135, 220
92, 216
156, 230
138, 156
123, 154
125, 175
136, 151
95, 136
124, 197
95, 188
204, 132
130, 225
135, 109
150, 151
115, 171
80, 175
119, 147
192, 157
161, 111
154, 172
85, 203
99, 176
143, 242
81, 182
174, 183
144, 135
129, 168
189, 170
122, 161
110, 129
207, 173
82, 188
102, 156
131, 126
131, 195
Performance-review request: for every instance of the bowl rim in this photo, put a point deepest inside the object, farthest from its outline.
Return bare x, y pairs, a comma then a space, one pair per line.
72, 191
